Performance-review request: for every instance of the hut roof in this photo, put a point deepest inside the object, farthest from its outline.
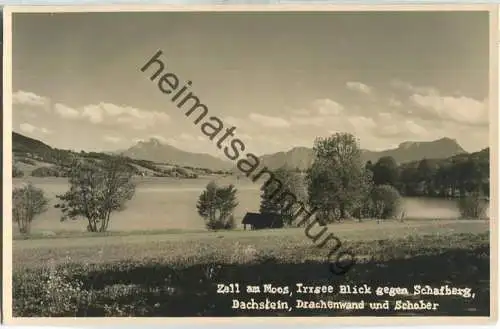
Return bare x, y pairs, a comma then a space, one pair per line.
253, 217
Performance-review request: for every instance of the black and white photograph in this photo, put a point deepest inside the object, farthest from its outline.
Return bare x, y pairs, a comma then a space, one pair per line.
183, 163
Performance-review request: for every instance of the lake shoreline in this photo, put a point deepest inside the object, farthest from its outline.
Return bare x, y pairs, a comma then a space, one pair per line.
169, 204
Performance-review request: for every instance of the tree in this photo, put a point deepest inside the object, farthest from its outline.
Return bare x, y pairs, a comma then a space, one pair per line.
338, 181
216, 205
426, 172
28, 201
385, 171
369, 165
16, 172
386, 201
470, 175
97, 189
271, 200
473, 205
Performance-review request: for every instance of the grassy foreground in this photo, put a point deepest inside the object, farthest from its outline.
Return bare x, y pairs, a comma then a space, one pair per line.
179, 277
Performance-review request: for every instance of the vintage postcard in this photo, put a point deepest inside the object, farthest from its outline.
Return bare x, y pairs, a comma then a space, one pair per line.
285, 163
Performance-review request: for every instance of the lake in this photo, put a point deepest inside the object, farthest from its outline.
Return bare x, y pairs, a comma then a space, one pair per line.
166, 203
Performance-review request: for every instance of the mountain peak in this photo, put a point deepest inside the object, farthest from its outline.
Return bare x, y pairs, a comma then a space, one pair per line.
448, 140
441, 141
152, 141
303, 157
156, 150
406, 145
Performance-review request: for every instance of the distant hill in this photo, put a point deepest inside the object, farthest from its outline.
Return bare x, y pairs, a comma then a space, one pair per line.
298, 157
414, 151
155, 154
36, 158
302, 157
23, 144
481, 157
156, 151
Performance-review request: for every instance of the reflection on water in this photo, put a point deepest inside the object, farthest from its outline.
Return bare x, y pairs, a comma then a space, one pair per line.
431, 208
173, 205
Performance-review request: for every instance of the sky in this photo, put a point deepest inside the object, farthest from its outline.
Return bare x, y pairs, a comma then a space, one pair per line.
281, 78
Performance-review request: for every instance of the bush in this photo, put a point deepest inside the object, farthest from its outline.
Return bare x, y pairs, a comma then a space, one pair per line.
228, 224
216, 205
28, 161
473, 206
51, 291
16, 172
48, 172
384, 202
27, 202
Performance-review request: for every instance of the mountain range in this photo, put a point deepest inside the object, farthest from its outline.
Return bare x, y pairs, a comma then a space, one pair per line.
298, 157
157, 151
302, 157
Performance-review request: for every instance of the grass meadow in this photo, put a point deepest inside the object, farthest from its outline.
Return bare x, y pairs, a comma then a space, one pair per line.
158, 259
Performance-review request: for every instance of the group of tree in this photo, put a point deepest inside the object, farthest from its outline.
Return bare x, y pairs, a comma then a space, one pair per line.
339, 185
96, 190
216, 205
457, 176
272, 200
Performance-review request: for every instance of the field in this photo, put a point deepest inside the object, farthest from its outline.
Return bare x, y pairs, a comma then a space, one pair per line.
169, 246
176, 273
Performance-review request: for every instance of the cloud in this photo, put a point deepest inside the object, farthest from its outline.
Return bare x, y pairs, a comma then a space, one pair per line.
245, 137
429, 103
111, 114
308, 121
361, 123
146, 139
28, 98
394, 102
397, 125
187, 137
358, 86
233, 121
66, 111
173, 142
46, 131
93, 113
160, 138
30, 129
408, 87
27, 128
461, 109
269, 121
319, 113
414, 128
327, 107
112, 139
300, 112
